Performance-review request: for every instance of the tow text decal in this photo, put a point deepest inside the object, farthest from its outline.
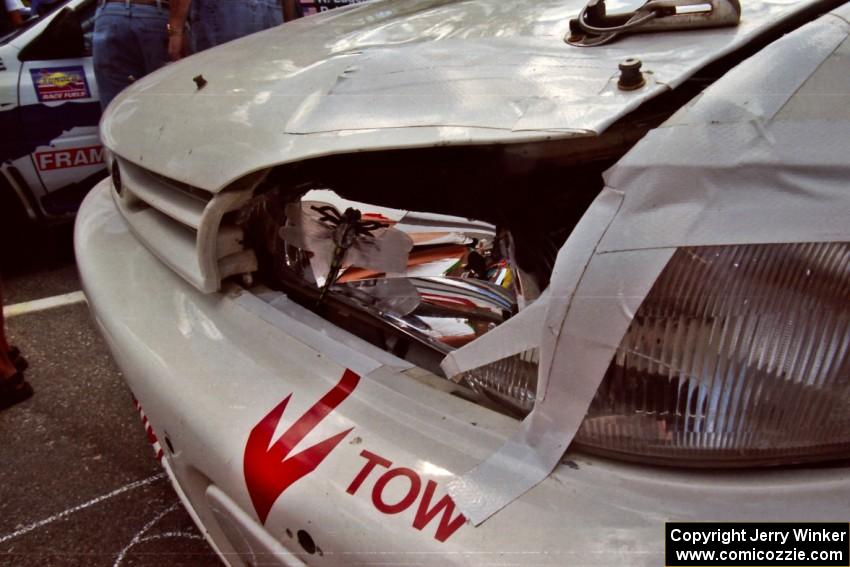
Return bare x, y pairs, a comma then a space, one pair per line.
428, 509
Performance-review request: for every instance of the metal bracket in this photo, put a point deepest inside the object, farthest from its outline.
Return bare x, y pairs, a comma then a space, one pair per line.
595, 27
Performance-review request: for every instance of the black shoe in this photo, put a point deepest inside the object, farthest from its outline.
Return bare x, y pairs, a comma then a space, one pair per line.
14, 390
18, 359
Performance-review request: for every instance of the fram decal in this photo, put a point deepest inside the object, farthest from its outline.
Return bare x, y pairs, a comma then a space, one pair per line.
72, 157
428, 507
60, 83
269, 468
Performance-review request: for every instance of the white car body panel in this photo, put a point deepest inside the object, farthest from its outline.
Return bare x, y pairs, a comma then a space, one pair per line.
354, 80
210, 368
207, 370
56, 156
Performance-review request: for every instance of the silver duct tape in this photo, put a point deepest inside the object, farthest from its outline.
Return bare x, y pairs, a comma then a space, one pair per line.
611, 290
760, 157
520, 333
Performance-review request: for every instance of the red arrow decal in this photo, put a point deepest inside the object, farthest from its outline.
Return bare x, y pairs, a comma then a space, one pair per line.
267, 474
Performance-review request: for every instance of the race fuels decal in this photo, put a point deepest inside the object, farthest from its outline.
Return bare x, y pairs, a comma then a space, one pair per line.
60, 83
72, 157
269, 470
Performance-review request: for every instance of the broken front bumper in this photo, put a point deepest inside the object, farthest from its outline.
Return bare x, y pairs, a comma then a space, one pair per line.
291, 441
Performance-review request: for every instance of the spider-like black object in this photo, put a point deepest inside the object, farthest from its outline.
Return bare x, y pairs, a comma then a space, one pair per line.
346, 228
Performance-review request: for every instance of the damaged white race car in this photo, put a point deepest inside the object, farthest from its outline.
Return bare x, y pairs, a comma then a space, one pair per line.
486, 282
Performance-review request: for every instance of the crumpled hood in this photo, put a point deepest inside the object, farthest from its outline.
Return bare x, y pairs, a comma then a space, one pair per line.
399, 73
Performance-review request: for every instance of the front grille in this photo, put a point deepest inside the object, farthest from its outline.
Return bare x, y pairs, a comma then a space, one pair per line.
182, 225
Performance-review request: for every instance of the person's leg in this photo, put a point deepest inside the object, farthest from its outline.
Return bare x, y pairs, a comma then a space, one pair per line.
13, 387
269, 14
7, 367
117, 57
149, 30
204, 21
219, 21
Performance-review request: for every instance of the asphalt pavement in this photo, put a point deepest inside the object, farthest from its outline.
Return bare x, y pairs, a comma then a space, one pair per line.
79, 483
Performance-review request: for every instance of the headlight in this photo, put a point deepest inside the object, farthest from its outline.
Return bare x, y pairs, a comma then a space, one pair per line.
739, 355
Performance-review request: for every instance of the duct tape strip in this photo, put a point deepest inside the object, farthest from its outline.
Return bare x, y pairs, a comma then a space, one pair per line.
340, 346
600, 311
760, 88
520, 333
784, 184
760, 157
570, 265
531, 454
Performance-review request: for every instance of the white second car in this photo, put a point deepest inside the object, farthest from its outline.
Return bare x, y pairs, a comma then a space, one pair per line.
429, 282
50, 150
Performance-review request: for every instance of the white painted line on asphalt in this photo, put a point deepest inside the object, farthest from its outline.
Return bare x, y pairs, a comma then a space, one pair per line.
168, 535
140, 534
42, 304
83, 506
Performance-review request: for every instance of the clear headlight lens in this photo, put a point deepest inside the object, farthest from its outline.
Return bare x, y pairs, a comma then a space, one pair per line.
510, 382
739, 355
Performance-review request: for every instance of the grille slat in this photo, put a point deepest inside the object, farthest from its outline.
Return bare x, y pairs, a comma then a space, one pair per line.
182, 207
181, 224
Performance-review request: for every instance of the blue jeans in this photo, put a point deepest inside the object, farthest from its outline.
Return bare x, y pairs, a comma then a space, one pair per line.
217, 21
129, 42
